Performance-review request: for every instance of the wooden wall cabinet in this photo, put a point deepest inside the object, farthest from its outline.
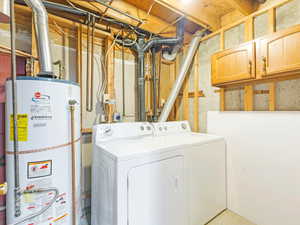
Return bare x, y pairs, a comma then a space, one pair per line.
273, 56
279, 53
234, 64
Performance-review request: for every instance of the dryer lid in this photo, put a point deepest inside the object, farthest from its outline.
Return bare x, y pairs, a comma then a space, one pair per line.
124, 149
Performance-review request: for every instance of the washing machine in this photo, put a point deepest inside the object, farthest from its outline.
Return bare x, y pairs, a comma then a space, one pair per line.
156, 174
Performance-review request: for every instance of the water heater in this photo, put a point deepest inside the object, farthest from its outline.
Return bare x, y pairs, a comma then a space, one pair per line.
49, 152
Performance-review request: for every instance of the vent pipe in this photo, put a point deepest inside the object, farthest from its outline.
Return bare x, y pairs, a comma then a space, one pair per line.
4, 11
42, 37
181, 76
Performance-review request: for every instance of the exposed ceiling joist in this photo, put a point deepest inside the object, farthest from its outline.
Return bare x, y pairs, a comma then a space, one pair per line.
192, 11
246, 7
152, 23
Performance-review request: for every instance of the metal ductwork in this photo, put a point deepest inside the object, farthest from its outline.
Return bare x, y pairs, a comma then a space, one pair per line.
141, 47
181, 76
42, 36
4, 11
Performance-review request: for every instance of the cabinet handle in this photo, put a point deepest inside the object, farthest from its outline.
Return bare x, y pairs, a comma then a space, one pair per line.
264, 64
250, 67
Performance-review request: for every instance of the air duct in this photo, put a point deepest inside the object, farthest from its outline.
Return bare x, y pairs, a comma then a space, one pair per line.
141, 46
42, 37
181, 76
4, 11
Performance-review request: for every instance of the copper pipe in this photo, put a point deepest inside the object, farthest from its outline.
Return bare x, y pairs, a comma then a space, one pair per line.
17, 189
73, 152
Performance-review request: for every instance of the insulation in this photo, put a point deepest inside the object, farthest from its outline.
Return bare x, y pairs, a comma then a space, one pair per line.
288, 15
261, 25
234, 36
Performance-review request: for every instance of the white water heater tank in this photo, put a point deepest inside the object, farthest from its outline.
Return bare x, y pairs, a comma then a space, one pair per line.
45, 150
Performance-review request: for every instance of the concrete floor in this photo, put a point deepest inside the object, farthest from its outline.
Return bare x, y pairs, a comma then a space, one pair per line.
229, 218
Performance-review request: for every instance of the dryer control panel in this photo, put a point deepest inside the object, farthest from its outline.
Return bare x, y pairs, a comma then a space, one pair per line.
171, 127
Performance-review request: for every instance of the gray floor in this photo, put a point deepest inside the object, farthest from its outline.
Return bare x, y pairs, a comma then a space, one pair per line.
229, 218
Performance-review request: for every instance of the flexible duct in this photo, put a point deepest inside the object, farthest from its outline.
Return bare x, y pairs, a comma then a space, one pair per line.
42, 36
181, 76
4, 11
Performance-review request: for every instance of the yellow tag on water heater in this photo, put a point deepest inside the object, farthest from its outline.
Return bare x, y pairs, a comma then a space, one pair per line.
22, 127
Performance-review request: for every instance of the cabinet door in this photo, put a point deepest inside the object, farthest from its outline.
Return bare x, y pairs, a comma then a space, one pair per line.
234, 64
279, 53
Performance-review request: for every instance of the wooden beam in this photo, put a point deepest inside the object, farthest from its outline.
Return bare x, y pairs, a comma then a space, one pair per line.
249, 29
248, 98
172, 79
178, 100
271, 20
186, 101
272, 96
63, 22
193, 94
246, 7
222, 90
191, 11
222, 99
110, 90
272, 86
196, 92
152, 24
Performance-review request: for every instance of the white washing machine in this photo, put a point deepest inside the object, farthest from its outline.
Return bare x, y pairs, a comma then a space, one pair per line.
156, 174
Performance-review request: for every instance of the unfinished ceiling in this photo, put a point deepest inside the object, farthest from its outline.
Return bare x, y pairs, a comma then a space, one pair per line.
160, 16
206, 13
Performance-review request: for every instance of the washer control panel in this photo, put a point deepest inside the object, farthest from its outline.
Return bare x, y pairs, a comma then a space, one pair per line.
106, 132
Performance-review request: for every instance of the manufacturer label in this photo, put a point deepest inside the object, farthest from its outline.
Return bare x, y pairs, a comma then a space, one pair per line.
22, 127
39, 169
40, 108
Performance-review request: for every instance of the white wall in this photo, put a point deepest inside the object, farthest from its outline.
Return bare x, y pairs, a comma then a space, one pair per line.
263, 168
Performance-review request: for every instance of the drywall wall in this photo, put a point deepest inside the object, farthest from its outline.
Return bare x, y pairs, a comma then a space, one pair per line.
262, 164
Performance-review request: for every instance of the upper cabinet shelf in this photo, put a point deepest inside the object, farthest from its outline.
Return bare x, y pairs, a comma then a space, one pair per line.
272, 56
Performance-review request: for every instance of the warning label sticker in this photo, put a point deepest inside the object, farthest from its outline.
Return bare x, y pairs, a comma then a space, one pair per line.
39, 169
22, 127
